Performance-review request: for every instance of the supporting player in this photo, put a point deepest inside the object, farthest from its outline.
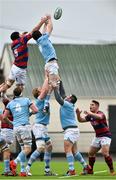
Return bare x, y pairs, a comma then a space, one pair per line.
6, 153
103, 135
71, 130
19, 107
40, 131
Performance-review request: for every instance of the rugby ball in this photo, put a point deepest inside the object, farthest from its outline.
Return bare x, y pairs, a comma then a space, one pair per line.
58, 13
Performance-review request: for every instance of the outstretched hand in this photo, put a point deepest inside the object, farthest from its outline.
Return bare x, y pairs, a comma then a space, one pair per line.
78, 111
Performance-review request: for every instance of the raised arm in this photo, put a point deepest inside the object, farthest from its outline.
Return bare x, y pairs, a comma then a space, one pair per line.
62, 90
48, 27
58, 97
39, 25
79, 117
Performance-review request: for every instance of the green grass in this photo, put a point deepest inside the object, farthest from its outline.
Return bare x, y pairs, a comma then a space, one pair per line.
60, 167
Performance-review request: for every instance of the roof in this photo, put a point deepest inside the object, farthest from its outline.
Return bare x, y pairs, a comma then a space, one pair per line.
86, 70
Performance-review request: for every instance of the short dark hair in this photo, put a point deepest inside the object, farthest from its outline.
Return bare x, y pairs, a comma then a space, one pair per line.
36, 35
14, 35
96, 102
17, 91
73, 99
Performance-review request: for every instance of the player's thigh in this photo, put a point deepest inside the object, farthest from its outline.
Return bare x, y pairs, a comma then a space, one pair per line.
21, 77
105, 145
72, 134
8, 135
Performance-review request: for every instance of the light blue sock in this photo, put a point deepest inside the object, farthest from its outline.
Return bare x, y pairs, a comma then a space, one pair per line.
70, 159
78, 157
47, 160
33, 157
6, 165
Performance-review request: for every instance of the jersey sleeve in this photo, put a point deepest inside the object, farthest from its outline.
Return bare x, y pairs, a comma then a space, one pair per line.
27, 37
88, 118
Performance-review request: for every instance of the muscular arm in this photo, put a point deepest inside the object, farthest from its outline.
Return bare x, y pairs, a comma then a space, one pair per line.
39, 25
62, 90
95, 115
79, 117
49, 25
58, 97
33, 108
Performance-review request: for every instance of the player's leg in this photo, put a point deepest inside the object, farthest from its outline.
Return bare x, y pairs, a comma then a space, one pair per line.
78, 157
51, 71
21, 78
38, 132
105, 147
70, 138
6, 157
94, 148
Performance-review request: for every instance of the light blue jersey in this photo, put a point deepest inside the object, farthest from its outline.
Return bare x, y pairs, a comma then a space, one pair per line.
19, 107
46, 48
67, 115
41, 117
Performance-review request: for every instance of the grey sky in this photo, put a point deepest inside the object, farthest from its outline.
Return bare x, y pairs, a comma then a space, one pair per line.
83, 21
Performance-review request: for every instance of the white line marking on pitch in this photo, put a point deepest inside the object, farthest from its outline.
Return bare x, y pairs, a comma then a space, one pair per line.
98, 172
62, 177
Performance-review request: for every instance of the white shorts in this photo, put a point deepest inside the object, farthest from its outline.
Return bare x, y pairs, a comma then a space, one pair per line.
7, 135
23, 134
17, 74
52, 67
100, 141
72, 134
40, 132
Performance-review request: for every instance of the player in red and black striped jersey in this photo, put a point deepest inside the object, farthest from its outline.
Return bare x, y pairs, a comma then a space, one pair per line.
7, 128
103, 135
20, 51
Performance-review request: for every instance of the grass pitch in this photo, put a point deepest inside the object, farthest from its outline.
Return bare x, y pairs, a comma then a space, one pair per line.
61, 167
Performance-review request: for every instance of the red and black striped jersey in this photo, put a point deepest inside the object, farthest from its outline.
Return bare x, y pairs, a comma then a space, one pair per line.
100, 125
20, 50
6, 125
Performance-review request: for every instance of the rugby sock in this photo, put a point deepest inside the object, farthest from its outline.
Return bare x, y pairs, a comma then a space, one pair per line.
33, 157
6, 165
78, 157
92, 161
47, 160
109, 162
20, 158
70, 159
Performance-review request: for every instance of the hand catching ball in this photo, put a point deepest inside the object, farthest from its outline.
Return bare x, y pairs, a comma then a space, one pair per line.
58, 13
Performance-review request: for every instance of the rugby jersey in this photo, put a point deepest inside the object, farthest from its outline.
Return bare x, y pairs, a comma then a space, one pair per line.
100, 125
20, 51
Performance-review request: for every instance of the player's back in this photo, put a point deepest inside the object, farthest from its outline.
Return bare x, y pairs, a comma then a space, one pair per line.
46, 48
19, 108
67, 115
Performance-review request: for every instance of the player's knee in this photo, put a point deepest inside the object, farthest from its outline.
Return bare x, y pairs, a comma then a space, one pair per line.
49, 146
40, 146
27, 149
3, 145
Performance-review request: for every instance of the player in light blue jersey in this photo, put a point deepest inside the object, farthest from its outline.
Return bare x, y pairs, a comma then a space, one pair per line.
6, 152
71, 131
49, 55
19, 107
40, 131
